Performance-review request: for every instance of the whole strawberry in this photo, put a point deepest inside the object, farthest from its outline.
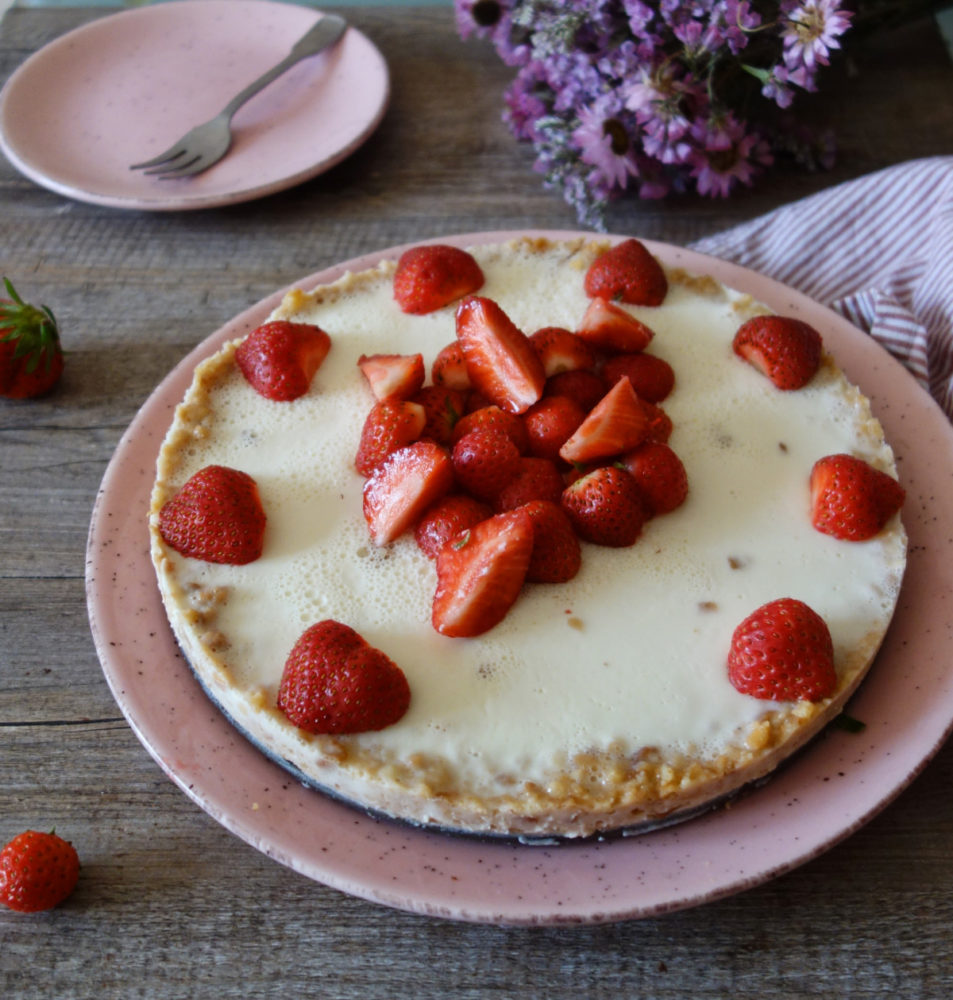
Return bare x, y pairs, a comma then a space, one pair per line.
628, 272
557, 555
446, 518
279, 359
606, 507
850, 499
484, 461
216, 516
659, 474
31, 358
37, 871
334, 681
430, 277
786, 350
783, 652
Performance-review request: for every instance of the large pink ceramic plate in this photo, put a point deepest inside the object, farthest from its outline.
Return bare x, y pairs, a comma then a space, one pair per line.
122, 89
829, 791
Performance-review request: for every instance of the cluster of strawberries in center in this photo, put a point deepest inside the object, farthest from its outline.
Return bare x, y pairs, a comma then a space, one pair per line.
521, 445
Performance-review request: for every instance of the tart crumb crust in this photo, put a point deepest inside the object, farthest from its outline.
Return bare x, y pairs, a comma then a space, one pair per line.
582, 794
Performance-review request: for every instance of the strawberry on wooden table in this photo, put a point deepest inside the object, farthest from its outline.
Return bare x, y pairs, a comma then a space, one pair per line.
557, 555
783, 652
390, 424
403, 487
38, 870
279, 358
216, 516
617, 423
430, 277
500, 359
628, 271
605, 507
850, 499
480, 573
335, 682
786, 350
393, 376
446, 518
608, 327
31, 357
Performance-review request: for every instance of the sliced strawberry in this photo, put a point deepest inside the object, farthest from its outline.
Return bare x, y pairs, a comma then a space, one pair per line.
617, 423
556, 553
652, 377
393, 376
447, 518
279, 358
660, 423
850, 499
449, 368
659, 474
783, 652
605, 507
399, 491
585, 387
500, 359
390, 424
430, 277
442, 409
493, 417
216, 516
484, 461
628, 271
609, 327
560, 350
786, 350
334, 681
536, 479
550, 423
480, 573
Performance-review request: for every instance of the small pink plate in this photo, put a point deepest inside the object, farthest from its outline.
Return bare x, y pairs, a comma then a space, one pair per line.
122, 89
830, 790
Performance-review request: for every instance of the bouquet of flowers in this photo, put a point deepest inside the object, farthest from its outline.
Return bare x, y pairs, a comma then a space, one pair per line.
663, 96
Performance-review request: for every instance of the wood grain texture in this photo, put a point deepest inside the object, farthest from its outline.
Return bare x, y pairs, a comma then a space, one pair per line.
171, 905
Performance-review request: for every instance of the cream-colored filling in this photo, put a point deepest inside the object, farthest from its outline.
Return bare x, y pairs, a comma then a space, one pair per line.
631, 653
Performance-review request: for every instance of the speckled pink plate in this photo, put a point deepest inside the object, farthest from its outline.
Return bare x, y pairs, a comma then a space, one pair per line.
833, 788
121, 89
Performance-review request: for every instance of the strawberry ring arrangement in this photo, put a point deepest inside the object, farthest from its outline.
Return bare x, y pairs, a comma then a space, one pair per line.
539, 539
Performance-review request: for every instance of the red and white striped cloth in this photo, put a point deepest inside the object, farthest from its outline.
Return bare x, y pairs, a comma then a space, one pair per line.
878, 250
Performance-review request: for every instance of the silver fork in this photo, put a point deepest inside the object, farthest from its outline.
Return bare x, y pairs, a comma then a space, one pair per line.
206, 144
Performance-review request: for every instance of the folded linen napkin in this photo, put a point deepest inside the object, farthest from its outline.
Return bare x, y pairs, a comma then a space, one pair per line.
878, 250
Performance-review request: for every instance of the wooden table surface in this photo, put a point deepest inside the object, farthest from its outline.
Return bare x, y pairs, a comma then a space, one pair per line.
169, 903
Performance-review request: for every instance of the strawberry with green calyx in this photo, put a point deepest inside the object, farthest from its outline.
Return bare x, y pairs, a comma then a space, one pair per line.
217, 516
629, 272
850, 499
785, 350
279, 358
335, 682
783, 651
443, 408
606, 507
37, 871
31, 357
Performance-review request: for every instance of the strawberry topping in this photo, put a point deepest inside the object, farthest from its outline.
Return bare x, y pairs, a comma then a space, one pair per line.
788, 351
850, 499
279, 358
629, 272
430, 277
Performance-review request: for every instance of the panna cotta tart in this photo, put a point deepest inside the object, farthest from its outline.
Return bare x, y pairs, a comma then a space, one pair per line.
539, 538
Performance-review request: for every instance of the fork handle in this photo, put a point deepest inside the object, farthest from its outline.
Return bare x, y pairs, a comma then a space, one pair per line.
324, 33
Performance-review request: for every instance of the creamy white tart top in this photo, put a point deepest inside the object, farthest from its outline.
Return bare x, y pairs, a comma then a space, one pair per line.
629, 655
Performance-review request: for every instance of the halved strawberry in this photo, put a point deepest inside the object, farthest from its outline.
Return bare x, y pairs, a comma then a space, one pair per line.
279, 358
560, 350
609, 327
557, 555
850, 499
430, 277
447, 518
788, 351
442, 409
393, 376
659, 474
550, 423
216, 516
484, 461
628, 271
783, 652
605, 507
480, 573
449, 368
617, 423
585, 387
500, 359
493, 417
390, 424
535, 479
334, 681
653, 378
399, 491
